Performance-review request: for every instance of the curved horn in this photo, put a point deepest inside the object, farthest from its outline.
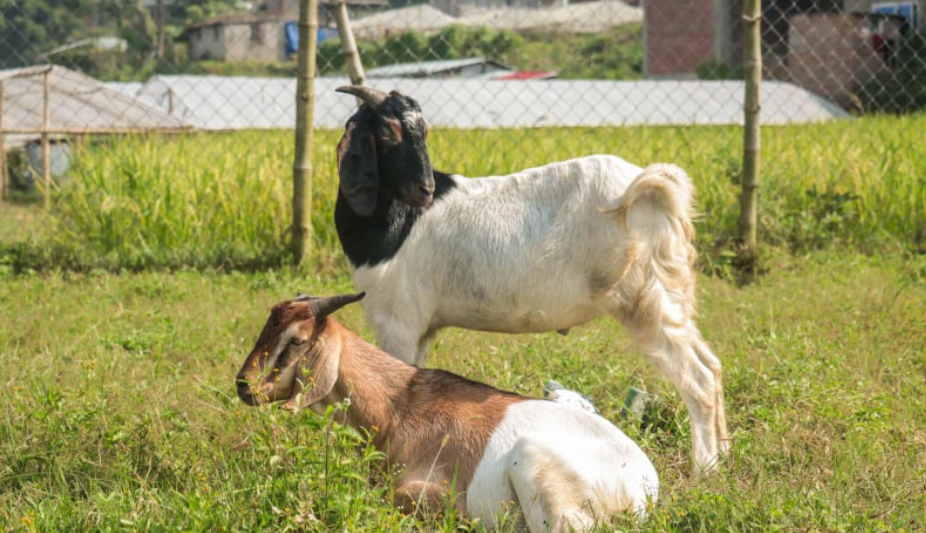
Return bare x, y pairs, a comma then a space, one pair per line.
370, 96
322, 307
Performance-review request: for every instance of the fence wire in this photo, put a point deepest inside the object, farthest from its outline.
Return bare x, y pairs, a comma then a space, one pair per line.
177, 65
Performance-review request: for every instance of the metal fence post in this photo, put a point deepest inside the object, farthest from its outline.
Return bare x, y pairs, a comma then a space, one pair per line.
305, 111
752, 68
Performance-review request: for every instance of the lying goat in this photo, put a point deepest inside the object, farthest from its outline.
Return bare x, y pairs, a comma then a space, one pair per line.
542, 249
563, 466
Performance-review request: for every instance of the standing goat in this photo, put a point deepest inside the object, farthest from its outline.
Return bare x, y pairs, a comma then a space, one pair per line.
543, 249
563, 466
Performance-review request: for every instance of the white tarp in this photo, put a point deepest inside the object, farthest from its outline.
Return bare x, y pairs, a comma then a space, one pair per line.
230, 103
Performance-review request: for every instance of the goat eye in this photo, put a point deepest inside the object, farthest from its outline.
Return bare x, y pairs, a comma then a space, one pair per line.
297, 341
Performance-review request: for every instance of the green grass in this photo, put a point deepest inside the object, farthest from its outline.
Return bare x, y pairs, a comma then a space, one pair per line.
120, 412
119, 406
223, 200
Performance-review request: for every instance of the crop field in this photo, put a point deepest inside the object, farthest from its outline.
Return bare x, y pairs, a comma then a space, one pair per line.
127, 310
223, 200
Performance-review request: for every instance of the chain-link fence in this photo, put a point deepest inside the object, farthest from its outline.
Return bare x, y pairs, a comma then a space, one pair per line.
138, 65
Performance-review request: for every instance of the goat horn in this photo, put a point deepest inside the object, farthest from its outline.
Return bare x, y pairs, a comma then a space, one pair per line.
322, 307
370, 96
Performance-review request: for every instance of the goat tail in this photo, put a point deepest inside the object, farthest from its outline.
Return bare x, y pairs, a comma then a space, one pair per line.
656, 210
660, 198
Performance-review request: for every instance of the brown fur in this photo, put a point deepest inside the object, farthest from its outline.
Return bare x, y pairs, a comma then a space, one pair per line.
432, 423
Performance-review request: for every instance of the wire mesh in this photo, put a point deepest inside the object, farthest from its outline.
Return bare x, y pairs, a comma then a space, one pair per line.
138, 65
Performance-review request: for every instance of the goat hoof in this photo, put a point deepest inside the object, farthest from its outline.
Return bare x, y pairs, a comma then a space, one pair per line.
725, 446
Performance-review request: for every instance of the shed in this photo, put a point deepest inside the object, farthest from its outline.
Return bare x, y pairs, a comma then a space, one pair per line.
77, 104
238, 37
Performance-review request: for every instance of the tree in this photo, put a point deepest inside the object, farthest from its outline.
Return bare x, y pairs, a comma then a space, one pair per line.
29, 28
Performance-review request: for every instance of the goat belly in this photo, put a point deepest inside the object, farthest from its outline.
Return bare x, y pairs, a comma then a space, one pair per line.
559, 457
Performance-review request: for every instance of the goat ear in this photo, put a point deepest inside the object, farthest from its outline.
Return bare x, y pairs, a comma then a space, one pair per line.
324, 358
357, 164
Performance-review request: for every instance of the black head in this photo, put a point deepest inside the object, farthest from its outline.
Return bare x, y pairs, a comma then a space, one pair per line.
383, 150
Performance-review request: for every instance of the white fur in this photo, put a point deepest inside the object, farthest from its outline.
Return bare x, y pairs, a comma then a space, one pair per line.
571, 397
550, 248
562, 467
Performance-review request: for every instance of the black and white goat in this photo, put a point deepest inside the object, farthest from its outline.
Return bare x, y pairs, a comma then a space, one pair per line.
543, 249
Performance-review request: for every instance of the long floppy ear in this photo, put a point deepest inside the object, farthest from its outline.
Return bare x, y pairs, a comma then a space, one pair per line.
357, 163
311, 388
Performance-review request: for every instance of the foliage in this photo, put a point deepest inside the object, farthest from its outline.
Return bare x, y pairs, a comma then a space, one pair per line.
120, 411
902, 87
184, 12
453, 42
32, 27
712, 70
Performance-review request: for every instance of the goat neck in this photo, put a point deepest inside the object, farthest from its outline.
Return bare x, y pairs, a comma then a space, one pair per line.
374, 381
368, 241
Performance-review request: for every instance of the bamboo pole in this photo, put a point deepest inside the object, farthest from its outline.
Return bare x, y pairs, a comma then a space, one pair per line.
305, 112
159, 9
752, 68
46, 144
348, 44
4, 174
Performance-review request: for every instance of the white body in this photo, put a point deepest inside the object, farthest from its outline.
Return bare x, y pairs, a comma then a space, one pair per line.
562, 466
550, 248
521, 273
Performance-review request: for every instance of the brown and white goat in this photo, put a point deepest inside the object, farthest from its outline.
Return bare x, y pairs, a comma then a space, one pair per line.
563, 466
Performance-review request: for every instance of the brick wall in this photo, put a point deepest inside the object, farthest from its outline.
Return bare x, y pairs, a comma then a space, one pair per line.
832, 55
679, 36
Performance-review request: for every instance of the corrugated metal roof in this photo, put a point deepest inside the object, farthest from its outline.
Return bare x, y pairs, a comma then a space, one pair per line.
223, 103
430, 68
585, 17
76, 101
421, 17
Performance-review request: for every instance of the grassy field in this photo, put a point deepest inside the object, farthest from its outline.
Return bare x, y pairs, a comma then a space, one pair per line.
120, 412
126, 312
223, 200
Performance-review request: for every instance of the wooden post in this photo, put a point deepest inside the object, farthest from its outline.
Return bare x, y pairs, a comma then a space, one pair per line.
46, 145
170, 101
348, 44
305, 112
4, 174
159, 20
752, 69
